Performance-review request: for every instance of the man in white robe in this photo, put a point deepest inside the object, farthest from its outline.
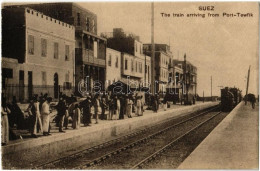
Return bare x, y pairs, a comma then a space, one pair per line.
45, 115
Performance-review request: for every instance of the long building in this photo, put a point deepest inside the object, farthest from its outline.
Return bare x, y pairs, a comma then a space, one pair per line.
90, 49
163, 63
191, 76
135, 66
38, 54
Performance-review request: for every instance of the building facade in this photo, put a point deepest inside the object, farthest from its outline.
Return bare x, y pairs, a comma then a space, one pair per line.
113, 66
135, 66
90, 49
39, 54
163, 63
191, 76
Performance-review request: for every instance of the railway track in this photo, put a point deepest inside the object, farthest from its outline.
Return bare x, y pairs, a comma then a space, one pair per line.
169, 145
103, 156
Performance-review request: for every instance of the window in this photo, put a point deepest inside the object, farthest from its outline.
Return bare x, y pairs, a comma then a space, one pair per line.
67, 85
140, 67
136, 66
56, 50
132, 65
93, 25
136, 47
116, 61
87, 24
67, 52
7, 73
78, 19
67, 77
44, 47
31, 44
109, 60
21, 75
125, 64
44, 80
140, 48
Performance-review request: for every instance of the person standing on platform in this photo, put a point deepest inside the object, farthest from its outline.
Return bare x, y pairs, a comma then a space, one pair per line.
111, 107
154, 103
76, 117
103, 106
138, 106
165, 103
61, 109
253, 101
96, 107
117, 107
86, 106
5, 111
45, 115
129, 103
34, 113
122, 107
142, 106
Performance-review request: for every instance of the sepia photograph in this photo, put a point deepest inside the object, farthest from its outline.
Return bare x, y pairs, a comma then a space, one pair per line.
129, 85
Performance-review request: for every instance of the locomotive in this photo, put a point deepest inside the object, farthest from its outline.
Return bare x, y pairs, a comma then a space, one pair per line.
230, 97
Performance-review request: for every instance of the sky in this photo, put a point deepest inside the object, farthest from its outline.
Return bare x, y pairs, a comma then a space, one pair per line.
221, 47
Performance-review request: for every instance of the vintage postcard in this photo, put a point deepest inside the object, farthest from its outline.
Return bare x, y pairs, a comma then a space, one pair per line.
130, 85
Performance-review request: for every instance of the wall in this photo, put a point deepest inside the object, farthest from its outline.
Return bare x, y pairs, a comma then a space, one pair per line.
67, 12
132, 72
113, 73
14, 89
44, 27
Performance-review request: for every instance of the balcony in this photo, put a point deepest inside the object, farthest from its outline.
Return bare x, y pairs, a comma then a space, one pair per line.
88, 58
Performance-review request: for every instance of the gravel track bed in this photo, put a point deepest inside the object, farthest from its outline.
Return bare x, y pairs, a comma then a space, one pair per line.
83, 157
130, 157
175, 155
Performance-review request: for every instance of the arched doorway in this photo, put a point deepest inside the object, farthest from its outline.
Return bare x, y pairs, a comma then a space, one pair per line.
56, 85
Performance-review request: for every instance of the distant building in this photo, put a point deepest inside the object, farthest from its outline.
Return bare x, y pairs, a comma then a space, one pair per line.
113, 66
163, 60
133, 61
191, 75
90, 49
38, 54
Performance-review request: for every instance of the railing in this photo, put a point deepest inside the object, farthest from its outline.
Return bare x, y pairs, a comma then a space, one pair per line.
88, 57
23, 92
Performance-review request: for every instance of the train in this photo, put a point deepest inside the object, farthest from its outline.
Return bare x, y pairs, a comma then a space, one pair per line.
230, 97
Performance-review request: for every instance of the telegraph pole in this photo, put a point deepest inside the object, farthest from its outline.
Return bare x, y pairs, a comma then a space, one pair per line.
185, 79
247, 84
152, 56
211, 87
145, 67
203, 96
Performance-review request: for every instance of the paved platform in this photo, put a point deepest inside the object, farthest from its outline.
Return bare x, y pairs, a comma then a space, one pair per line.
31, 150
233, 144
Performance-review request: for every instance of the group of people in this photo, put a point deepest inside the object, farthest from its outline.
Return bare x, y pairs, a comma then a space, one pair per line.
39, 115
69, 108
117, 105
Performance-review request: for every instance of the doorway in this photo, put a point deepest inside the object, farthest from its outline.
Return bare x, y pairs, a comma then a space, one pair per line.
56, 85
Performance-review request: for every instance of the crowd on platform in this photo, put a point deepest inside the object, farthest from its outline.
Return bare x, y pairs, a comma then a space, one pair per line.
72, 109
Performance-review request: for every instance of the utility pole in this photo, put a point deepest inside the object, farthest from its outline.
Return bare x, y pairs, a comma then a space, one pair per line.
247, 85
185, 79
145, 67
152, 56
203, 96
211, 88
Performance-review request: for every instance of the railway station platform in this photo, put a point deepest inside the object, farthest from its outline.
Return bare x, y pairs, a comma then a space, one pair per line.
26, 152
233, 144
